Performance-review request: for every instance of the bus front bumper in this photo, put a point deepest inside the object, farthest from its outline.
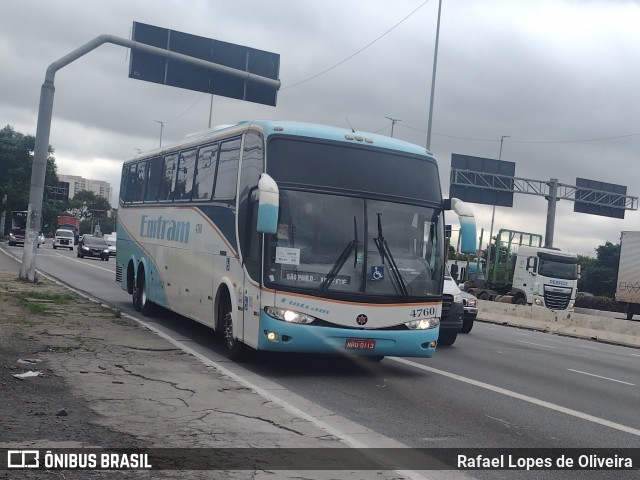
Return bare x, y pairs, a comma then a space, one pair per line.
280, 336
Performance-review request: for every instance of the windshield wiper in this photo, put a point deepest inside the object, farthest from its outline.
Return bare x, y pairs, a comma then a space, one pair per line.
342, 259
385, 253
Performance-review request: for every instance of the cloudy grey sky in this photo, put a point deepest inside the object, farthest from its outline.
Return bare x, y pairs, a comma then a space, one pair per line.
559, 77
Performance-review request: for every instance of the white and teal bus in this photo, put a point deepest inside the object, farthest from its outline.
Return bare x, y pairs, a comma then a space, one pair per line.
290, 237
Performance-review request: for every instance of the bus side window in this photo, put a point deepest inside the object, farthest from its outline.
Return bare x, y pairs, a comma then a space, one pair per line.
155, 170
205, 172
169, 178
124, 182
131, 182
139, 181
227, 177
186, 171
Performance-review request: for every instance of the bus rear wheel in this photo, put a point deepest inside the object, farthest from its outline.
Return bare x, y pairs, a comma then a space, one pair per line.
234, 348
141, 300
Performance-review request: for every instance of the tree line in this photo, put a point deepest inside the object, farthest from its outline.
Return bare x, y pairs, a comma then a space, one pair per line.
16, 160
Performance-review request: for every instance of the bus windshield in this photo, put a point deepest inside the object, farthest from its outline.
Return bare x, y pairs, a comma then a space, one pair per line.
339, 245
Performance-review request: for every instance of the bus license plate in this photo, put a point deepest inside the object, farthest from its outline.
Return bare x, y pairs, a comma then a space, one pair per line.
360, 343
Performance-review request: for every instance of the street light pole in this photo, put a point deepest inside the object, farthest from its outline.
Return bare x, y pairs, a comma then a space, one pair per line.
493, 215
161, 128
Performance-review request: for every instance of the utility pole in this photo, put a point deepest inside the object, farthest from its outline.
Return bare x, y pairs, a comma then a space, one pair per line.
433, 79
161, 128
393, 122
493, 216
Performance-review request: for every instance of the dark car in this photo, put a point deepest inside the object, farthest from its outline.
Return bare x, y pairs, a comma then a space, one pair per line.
90, 246
16, 237
452, 312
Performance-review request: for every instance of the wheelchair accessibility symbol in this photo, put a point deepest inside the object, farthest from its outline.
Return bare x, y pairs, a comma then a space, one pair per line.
377, 273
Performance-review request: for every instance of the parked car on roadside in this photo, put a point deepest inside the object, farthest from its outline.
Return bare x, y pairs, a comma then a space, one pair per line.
470, 305
63, 238
90, 246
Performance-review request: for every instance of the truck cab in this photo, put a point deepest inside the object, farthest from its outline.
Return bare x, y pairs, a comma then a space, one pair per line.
545, 277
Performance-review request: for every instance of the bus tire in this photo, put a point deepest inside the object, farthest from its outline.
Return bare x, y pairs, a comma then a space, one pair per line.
141, 300
234, 348
446, 339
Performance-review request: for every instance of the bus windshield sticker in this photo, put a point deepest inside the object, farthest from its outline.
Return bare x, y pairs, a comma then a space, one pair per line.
288, 256
377, 272
313, 277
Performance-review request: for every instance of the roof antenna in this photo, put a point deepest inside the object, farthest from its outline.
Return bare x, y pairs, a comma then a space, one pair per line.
352, 130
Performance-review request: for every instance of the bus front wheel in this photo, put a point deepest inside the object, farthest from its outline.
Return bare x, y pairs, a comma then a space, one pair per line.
235, 348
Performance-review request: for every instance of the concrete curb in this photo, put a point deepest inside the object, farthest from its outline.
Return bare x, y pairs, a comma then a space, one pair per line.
580, 325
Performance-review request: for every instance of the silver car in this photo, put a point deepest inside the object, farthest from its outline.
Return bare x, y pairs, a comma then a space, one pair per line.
470, 305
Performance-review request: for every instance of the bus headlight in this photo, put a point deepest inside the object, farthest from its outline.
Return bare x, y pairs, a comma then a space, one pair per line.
290, 316
423, 324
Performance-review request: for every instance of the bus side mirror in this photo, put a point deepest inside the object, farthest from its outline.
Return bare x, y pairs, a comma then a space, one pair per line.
467, 224
268, 204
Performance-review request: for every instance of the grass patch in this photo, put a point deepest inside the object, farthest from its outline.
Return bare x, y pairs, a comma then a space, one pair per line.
36, 302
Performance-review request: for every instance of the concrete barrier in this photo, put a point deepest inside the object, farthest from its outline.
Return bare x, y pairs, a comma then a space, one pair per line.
594, 327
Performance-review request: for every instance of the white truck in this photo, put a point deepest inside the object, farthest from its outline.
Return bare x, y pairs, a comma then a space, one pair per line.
628, 284
528, 274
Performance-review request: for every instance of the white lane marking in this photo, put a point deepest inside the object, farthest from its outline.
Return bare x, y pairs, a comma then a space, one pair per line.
587, 346
634, 355
536, 344
520, 396
349, 440
88, 264
600, 376
554, 340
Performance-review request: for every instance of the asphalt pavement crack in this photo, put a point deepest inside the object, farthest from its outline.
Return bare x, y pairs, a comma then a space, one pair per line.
253, 417
173, 384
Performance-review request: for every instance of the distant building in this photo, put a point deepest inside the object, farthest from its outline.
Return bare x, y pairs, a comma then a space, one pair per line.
78, 184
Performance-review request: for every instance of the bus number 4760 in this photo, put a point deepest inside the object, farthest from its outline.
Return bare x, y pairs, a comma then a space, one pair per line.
424, 312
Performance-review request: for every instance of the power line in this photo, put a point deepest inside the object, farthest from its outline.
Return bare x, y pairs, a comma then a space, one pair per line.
326, 70
357, 52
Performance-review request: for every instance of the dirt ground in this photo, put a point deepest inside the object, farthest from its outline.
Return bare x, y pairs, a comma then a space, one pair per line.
103, 380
